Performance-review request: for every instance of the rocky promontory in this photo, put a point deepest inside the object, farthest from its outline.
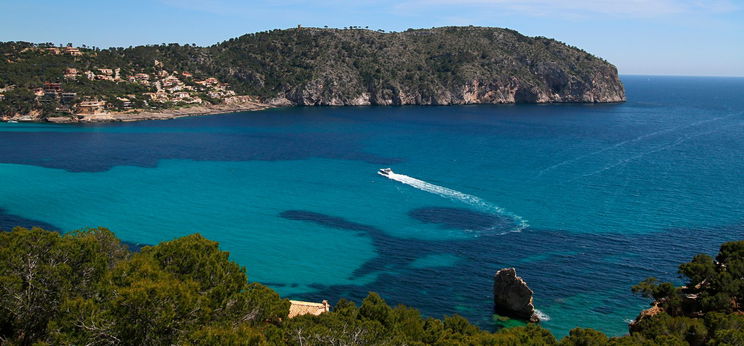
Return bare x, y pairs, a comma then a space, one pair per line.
440, 66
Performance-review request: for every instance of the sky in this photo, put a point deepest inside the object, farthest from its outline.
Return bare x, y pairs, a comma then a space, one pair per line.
653, 37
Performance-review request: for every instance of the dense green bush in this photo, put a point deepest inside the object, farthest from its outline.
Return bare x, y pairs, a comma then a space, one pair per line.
18, 100
86, 287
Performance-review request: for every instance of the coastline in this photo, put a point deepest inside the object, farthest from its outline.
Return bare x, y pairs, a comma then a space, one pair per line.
164, 114
238, 104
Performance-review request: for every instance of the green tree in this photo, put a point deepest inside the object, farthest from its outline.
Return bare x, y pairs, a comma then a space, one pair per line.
585, 337
17, 101
705, 311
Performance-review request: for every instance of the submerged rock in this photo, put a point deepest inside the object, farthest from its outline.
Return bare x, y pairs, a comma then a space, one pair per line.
512, 297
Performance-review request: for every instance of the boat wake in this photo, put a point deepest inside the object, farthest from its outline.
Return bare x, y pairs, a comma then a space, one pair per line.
454, 195
668, 146
637, 139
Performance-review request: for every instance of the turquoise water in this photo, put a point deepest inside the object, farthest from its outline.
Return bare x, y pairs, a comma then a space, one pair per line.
584, 200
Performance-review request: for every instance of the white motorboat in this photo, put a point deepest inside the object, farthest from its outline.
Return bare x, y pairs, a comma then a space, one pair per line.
385, 172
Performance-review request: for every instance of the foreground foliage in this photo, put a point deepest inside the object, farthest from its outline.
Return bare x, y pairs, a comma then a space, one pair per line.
709, 309
85, 287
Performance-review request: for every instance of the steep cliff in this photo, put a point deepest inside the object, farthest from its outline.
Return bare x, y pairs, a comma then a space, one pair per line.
441, 66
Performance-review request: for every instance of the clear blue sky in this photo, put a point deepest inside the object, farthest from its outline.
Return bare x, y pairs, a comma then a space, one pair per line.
665, 37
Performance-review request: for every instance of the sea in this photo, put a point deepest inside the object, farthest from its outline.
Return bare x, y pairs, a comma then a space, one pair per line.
584, 200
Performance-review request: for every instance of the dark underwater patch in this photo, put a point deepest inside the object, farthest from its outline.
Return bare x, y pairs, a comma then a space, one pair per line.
327, 221
10, 221
101, 151
459, 218
603, 310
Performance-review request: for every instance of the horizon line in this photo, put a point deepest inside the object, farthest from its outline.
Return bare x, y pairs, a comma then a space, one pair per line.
680, 75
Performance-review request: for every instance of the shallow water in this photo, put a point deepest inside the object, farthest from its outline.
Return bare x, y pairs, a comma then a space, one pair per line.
584, 200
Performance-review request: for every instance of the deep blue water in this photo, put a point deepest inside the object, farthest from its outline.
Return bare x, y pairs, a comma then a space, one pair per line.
584, 200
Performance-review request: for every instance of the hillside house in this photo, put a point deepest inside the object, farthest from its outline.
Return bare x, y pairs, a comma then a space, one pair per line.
52, 87
170, 82
159, 96
185, 97
221, 94
211, 81
71, 73
73, 51
91, 107
125, 102
104, 77
68, 98
142, 77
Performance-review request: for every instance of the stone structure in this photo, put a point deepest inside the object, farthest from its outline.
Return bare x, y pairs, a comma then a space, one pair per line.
299, 308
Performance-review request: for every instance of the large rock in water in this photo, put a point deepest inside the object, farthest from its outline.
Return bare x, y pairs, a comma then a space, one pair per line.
512, 297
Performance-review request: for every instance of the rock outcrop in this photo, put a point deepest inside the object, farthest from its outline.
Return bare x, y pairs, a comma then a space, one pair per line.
512, 297
633, 326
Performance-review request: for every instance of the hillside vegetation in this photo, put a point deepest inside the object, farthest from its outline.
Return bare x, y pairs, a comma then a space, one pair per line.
86, 288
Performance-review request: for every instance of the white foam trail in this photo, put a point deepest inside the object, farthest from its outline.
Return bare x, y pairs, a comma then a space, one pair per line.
655, 150
637, 139
458, 196
542, 316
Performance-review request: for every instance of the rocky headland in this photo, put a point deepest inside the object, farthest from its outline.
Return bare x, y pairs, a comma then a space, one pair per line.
440, 66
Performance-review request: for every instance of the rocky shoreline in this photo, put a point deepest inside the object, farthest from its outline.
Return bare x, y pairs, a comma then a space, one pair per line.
202, 110
233, 105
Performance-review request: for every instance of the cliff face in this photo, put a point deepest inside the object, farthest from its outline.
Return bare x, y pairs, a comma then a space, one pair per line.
600, 89
443, 66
